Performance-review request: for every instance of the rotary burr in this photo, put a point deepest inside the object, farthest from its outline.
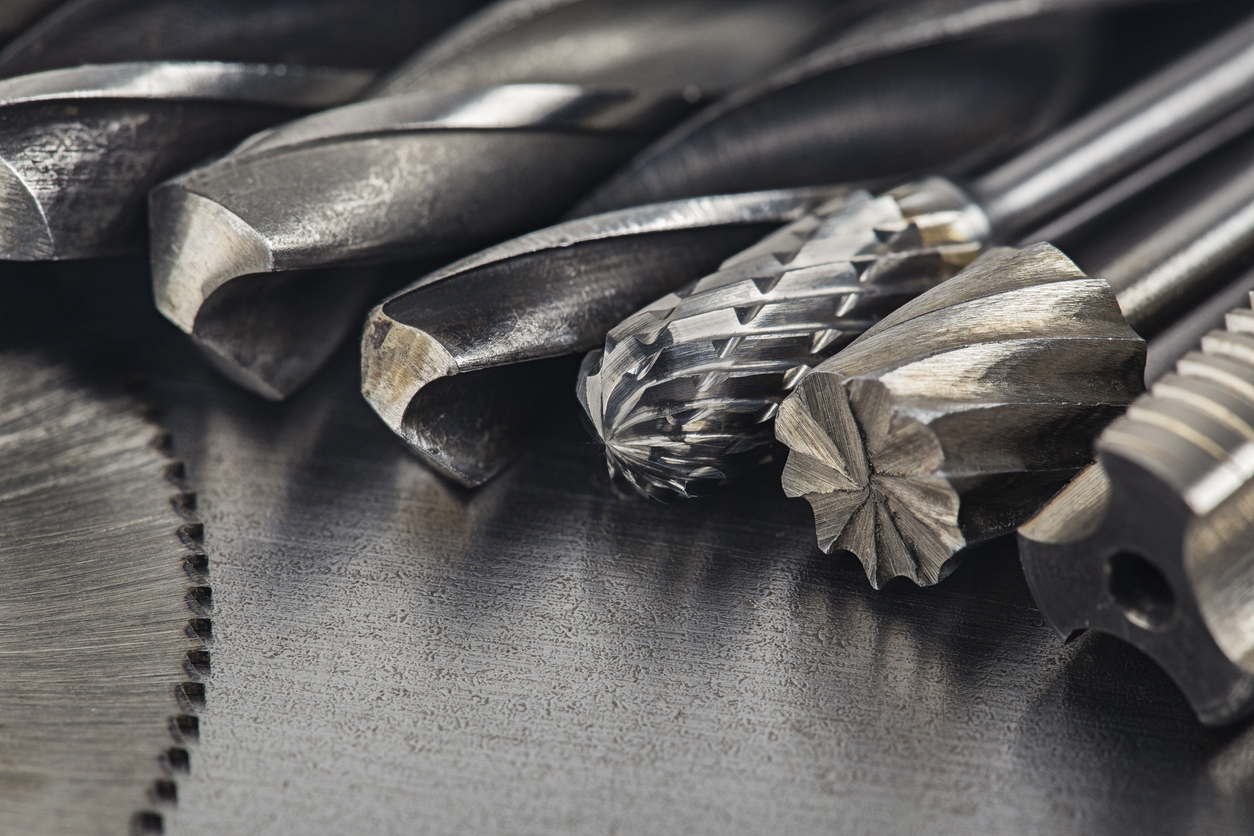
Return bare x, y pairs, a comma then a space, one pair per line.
953, 418
683, 392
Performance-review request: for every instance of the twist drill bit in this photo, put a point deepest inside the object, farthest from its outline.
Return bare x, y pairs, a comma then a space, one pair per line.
81, 146
432, 354
1152, 543
682, 390
495, 129
956, 416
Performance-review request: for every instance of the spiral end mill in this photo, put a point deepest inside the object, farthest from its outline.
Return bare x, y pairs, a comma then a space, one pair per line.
684, 393
1153, 543
952, 419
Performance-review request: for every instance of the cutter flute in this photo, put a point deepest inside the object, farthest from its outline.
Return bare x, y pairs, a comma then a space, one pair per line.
953, 418
684, 391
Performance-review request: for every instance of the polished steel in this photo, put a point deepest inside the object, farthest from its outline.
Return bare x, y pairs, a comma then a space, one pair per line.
105, 601
682, 435
838, 113
956, 416
495, 129
432, 353
106, 98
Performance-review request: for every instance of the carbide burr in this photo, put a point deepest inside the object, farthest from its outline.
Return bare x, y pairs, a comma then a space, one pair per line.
953, 418
494, 130
683, 392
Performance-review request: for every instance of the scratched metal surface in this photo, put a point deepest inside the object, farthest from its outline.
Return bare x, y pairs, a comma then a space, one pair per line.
394, 655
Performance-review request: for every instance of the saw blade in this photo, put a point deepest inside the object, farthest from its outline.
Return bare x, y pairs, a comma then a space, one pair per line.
104, 606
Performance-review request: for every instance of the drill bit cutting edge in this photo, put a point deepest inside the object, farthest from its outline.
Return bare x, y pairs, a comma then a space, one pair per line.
682, 390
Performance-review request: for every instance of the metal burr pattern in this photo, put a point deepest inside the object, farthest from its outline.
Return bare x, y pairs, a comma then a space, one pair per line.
1153, 543
664, 413
946, 423
685, 389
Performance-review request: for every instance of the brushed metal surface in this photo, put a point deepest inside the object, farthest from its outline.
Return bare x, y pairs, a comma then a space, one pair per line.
99, 576
393, 655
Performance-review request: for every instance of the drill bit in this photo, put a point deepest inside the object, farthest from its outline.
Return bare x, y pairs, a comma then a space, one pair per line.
81, 146
682, 390
431, 354
105, 595
1151, 543
494, 130
953, 418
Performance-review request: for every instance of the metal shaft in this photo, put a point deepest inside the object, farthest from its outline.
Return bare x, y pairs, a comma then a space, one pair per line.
1153, 280
1120, 136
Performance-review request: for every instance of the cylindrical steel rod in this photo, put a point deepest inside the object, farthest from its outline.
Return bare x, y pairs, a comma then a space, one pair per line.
1178, 260
1151, 117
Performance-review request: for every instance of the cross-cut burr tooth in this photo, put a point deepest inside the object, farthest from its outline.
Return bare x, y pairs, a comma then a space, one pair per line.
1153, 542
952, 419
685, 390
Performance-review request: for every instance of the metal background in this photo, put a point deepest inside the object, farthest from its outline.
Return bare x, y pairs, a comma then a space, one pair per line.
396, 655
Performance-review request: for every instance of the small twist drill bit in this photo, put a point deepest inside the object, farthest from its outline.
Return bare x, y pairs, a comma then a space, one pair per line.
1152, 543
702, 371
683, 389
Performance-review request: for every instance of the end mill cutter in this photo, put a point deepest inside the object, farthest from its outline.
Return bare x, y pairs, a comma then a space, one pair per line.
956, 416
1153, 543
684, 392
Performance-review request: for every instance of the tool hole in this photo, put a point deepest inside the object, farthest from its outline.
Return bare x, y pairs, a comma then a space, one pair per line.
1141, 590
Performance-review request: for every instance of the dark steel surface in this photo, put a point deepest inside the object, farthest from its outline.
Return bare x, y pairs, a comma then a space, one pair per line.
393, 655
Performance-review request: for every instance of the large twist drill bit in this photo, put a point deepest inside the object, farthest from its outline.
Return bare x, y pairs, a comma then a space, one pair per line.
81, 146
439, 359
681, 392
494, 130
956, 416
